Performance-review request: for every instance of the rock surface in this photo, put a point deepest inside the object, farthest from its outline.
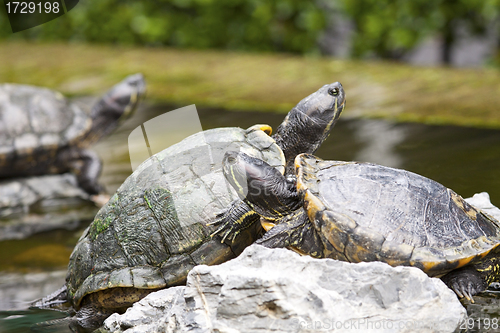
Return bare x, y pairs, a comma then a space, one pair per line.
482, 201
278, 290
36, 204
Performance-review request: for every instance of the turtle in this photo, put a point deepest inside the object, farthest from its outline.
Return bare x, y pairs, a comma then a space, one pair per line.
159, 223
361, 212
41, 132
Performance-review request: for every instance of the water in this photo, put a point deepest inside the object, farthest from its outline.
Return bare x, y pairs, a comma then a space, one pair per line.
464, 159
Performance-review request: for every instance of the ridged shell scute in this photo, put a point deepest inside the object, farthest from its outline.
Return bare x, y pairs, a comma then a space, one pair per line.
33, 117
401, 218
154, 229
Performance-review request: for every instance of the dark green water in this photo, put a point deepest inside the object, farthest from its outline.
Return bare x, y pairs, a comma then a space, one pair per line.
26, 320
464, 159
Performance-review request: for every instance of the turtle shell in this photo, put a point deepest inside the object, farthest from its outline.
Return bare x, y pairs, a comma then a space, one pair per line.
153, 230
369, 212
34, 123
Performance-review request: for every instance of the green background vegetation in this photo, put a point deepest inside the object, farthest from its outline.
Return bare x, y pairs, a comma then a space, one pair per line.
389, 28
258, 25
382, 28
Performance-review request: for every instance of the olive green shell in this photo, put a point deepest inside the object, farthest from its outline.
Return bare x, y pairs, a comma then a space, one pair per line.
369, 212
153, 230
37, 120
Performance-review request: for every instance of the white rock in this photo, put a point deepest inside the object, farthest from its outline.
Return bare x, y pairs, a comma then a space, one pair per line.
482, 201
278, 290
154, 313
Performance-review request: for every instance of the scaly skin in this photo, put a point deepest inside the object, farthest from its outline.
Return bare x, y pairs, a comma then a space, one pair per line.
304, 129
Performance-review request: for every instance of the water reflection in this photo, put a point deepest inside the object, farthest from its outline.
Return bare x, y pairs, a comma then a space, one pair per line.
380, 140
23, 321
18, 290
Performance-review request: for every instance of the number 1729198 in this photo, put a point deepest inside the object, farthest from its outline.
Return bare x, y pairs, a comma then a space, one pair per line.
14, 7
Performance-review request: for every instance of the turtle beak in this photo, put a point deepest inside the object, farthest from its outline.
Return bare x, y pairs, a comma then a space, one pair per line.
339, 103
137, 87
234, 172
341, 100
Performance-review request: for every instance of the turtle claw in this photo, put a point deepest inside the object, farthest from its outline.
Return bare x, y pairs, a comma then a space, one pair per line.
457, 290
465, 283
468, 297
223, 222
226, 234
233, 220
231, 234
464, 291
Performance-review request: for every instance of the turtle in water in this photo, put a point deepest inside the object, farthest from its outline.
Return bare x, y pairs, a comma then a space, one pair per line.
357, 212
41, 132
156, 227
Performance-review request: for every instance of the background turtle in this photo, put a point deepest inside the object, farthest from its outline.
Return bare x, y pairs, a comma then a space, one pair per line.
156, 227
365, 212
41, 132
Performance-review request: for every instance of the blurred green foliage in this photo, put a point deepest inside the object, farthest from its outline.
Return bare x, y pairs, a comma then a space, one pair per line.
382, 28
258, 25
389, 28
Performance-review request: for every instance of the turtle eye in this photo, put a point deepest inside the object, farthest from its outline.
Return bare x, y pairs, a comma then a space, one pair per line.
333, 91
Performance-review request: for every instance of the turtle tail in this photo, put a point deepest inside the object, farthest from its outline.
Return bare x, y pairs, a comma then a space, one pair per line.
57, 297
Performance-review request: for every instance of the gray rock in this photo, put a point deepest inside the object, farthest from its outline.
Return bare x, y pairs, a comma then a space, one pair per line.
155, 313
279, 290
35, 204
482, 201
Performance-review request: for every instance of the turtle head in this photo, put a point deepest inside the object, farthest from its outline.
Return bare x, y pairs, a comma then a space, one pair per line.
118, 104
324, 106
249, 176
260, 185
123, 98
310, 122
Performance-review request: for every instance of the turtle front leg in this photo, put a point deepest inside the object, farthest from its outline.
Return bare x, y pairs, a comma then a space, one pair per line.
89, 318
465, 282
473, 279
86, 165
295, 232
238, 217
